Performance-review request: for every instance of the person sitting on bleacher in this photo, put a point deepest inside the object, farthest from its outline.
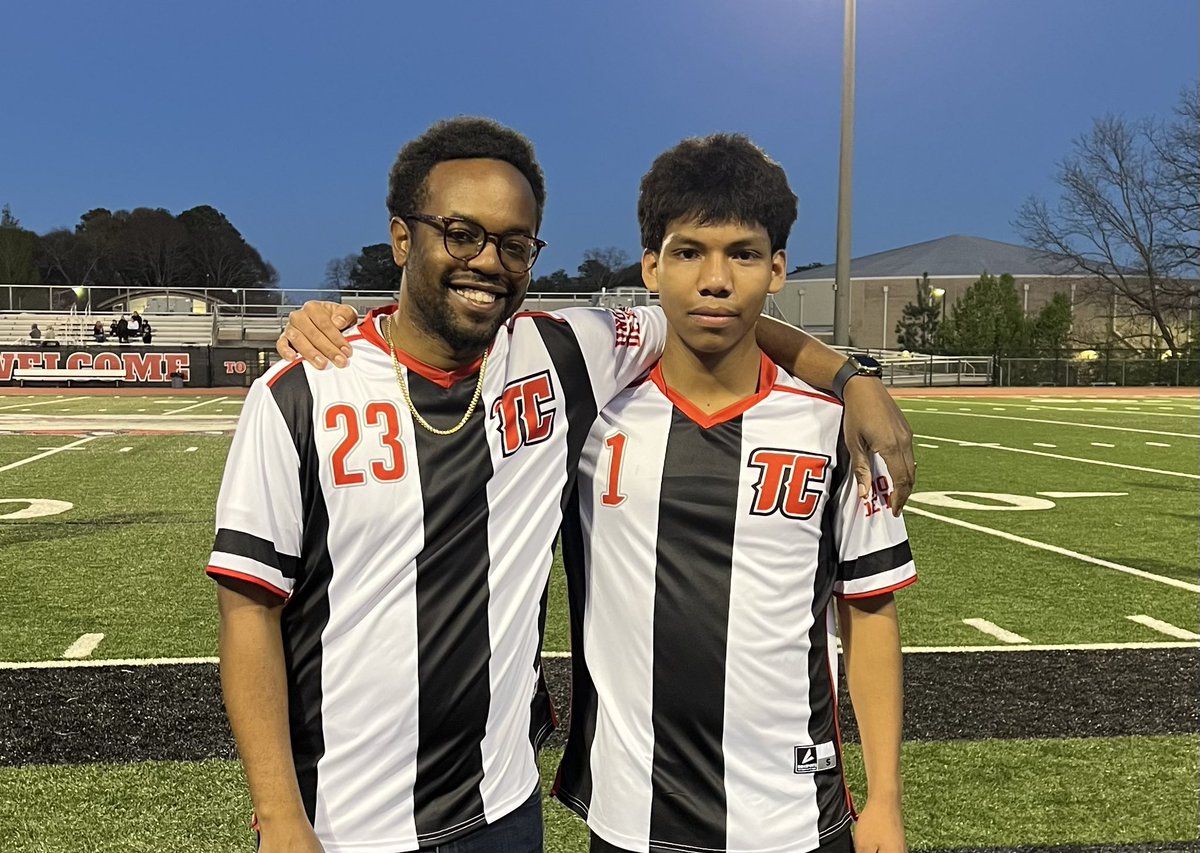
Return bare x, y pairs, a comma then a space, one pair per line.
135, 325
123, 330
98, 331
147, 332
35, 335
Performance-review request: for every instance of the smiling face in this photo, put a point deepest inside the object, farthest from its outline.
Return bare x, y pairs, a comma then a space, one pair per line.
712, 281
461, 305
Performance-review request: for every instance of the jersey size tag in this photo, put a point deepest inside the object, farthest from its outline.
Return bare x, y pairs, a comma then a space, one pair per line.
811, 758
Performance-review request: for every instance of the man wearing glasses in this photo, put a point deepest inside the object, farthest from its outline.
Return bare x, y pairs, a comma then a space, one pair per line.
385, 532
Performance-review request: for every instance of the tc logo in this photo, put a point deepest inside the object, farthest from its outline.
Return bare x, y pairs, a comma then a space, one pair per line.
788, 482
524, 412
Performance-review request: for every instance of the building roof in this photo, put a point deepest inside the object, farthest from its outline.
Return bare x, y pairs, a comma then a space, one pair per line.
957, 255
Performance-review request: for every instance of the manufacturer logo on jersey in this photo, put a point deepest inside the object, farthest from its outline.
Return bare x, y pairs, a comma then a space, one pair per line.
789, 482
524, 412
814, 757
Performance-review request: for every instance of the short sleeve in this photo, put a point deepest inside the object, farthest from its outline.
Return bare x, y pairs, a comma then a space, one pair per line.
258, 509
874, 556
618, 345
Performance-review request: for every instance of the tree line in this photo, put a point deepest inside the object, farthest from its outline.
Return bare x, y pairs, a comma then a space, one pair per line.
372, 269
1126, 223
108, 252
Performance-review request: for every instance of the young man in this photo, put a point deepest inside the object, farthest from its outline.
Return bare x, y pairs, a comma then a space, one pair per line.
385, 532
716, 521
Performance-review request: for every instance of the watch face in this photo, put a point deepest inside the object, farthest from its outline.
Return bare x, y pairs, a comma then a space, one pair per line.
867, 366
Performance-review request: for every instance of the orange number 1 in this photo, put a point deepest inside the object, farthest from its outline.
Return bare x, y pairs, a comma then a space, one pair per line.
616, 445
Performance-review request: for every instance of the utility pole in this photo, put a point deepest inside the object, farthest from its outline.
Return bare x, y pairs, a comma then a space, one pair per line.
841, 295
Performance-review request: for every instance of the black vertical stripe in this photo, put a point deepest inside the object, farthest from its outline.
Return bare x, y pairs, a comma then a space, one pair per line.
822, 691
453, 645
580, 406
574, 780
691, 612
307, 611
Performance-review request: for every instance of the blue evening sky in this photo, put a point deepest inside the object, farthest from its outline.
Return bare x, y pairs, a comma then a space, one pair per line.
287, 116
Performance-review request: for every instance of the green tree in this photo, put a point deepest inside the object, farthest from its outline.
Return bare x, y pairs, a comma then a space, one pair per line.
375, 270
987, 320
16, 251
556, 282
917, 330
1050, 330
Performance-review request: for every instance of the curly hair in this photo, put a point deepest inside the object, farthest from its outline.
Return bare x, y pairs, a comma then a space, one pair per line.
716, 179
461, 138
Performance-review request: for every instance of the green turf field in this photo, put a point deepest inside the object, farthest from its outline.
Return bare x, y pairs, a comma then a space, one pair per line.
1097, 498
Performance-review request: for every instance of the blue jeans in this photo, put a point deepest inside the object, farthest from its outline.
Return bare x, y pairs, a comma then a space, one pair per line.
517, 832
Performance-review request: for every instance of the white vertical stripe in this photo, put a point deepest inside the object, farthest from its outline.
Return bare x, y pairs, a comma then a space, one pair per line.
517, 573
619, 622
767, 687
369, 675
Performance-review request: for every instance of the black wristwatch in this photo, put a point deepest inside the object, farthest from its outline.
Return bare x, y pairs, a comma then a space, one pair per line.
856, 365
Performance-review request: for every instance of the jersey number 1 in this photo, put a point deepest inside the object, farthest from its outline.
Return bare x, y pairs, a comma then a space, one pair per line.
616, 447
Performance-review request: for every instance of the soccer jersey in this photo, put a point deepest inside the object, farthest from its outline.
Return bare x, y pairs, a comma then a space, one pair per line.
415, 565
704, 558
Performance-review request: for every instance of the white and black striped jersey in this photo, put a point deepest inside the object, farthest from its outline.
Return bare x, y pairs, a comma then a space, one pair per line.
701, 572
415, 565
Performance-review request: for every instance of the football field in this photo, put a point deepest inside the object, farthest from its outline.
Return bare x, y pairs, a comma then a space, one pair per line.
1051, 676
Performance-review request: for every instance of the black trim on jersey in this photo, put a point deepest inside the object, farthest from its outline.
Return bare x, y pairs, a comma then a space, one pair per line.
883, 560
307, 611
255, 548
453, 641
699, 492
832, 809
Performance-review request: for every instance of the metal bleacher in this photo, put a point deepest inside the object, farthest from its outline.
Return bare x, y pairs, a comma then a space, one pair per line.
74, 329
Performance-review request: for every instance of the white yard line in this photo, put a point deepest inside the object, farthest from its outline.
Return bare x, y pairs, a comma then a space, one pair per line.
21, 462
908, 650
1054, 549
125, 450
1164, 627
1156, 444
1103, 462
1102, 444
195, 405
994, 630
1080, 410
83, 647
930, 446
26, 405
1043, 444
1057, 423
191, 450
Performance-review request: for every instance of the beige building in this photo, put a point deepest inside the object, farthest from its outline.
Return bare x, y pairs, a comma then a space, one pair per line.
883, 283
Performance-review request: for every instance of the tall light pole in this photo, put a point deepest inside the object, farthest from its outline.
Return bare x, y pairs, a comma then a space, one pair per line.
841, 285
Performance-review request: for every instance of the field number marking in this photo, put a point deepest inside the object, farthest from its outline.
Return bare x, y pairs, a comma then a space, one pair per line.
994, 630
1002, 502
83, 647
1054, 549
1164, 627
37, 508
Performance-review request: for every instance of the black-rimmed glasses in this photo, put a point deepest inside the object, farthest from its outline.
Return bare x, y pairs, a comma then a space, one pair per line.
464, 240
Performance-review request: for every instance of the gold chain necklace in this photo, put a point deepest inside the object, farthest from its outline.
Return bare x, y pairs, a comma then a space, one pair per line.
408, 400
